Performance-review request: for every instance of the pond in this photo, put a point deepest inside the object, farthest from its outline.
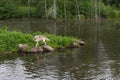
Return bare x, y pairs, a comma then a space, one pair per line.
99, 59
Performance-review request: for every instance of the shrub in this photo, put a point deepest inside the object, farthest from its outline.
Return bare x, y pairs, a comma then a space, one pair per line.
109, 12
23, 11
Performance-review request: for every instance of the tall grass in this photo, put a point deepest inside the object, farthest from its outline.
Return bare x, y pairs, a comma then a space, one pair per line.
9, 40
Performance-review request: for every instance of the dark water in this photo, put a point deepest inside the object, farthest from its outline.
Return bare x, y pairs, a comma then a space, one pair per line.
99, 59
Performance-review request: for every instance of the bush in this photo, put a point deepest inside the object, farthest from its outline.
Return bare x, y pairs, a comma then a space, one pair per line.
23, 11
7, 9
109, 12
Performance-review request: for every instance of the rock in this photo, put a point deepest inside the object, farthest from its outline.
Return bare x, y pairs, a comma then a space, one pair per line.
81, 42
36, 49
75, 44
47, 48
22, 47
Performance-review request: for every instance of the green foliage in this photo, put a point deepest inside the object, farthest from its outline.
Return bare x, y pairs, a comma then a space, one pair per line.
115, 3
20, 8
59, 41
109, 12
7, 9
9, 40
22, 11
87, 9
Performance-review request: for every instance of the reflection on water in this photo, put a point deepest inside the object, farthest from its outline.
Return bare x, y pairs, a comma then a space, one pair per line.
97, 60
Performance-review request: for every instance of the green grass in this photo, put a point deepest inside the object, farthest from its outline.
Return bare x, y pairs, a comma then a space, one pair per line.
9, 40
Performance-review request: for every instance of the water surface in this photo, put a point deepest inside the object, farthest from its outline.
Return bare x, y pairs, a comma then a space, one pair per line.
99, 59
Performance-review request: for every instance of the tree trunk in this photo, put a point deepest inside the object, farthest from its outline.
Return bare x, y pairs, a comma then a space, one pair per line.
46, 11
78, 10
65, 10
99, 12
96, 14
28, 8
55, 10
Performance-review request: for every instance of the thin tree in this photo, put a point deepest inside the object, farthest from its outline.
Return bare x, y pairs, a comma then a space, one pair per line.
55, 16
55, 10
78, 10
46, 11
65, 10
99, 10
96, 14
29, 25
28, 8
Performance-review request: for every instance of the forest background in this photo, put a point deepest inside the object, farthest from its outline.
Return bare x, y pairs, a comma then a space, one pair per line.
37, 8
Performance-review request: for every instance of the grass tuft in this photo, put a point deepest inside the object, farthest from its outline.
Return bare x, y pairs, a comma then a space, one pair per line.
9, 40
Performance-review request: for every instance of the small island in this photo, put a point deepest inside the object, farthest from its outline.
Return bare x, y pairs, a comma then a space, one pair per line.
14, 41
